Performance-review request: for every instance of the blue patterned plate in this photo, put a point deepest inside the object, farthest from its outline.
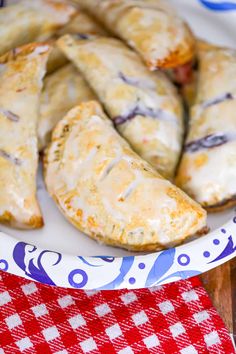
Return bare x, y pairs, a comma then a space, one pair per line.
28, 254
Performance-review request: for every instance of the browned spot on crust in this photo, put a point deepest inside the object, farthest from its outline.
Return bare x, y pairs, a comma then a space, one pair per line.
200, 160
203, 231
22, 51
6, 217
224, 204
92, 222
79, 213
180, 56
21, 89
61, 6
36, 222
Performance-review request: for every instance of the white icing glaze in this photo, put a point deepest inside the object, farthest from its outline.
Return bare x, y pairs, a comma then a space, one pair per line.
209, 174
19, 94
131, 205
151, 27
30, 21
217, 177
123, 83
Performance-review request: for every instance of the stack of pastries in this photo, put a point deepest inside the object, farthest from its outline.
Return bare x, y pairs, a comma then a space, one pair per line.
89, 88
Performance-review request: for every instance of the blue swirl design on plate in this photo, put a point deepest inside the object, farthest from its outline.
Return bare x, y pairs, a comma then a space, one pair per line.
36, 272
88, 263
103, 258
126, 264
219, 5
75, 284
108, 259
229, 250
160, 267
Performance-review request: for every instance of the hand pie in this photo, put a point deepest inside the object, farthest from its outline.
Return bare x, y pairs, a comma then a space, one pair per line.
208, 168
21, 73
31, 20
144, 106
81, 25
151, 27
109, 192
63, 89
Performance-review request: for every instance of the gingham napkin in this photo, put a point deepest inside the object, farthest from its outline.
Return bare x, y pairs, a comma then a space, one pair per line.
175, 318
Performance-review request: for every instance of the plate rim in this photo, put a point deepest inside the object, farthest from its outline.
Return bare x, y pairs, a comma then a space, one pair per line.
140, 271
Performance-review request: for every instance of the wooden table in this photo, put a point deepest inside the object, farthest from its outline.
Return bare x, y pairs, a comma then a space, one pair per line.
221, 286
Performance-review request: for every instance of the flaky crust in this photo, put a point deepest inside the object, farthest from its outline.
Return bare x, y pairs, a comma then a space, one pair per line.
109, 192
208, 168
80, 24
29, 21
21, 73
151, 27
62, 90
225, 204
144, 106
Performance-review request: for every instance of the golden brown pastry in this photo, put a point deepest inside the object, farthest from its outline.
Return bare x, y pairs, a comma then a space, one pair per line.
63, 89
109, 192
151, 27
21, 74
144, 106
208, 168
31, 20
81, 25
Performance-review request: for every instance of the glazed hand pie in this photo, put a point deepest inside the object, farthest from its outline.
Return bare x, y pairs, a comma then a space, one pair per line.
208, 168
143, 106
109, 192
31, 20
21, 73
151, 27
63, 89
81, 25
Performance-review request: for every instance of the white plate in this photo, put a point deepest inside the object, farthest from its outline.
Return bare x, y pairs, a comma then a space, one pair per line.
120, 268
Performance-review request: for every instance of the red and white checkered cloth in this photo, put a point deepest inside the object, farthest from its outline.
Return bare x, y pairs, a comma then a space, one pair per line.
175, 318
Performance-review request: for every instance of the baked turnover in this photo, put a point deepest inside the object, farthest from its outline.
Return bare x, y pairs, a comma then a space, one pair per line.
144, 106
107, 191
151, 27
208, 168
21, 74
